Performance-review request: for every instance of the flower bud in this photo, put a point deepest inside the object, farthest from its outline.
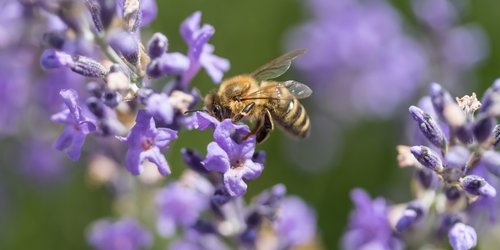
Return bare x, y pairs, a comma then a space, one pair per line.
53, 59
483, 127
88, 67
54, 40
157, 45
464, 133
496, 134
476, 185
457, 156
95, 89
487, 100
491, 160
112, 98
168, 63
439, 98
427, 157
193, 160
126, 45
453, 193
132, 14
462, 236
428, 127
95, 106
411, 215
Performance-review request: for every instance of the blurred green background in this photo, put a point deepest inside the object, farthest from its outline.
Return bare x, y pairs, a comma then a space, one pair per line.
248, 33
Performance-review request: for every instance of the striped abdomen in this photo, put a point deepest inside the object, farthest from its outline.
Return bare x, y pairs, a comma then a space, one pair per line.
292, 117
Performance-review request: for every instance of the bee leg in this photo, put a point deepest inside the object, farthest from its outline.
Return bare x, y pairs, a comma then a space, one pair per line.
246, 110
264, 127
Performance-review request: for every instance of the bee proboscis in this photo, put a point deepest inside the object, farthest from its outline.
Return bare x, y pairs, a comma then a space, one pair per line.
256, 98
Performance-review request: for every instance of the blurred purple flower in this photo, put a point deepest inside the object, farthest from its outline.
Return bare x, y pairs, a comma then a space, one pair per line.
42, 163
78, 126
439, 15
462, 237
232, 156
125, 234
145, 142
179, 205
367, 53
158, 106
199, 51
369, 226
295, 223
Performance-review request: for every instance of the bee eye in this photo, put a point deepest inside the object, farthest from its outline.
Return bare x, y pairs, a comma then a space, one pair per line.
218, 111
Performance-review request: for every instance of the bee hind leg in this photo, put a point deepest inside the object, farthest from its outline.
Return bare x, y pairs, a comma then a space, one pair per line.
263, 128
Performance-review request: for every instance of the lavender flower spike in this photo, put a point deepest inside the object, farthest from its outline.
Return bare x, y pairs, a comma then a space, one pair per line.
233, 157
179, 205
145, 142
78, 126
427, 157
295, 223
199, 51
462, 237
428, 127
125, 234
476, 185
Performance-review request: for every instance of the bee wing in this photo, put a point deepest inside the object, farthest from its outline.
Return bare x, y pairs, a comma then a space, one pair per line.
277, 66
297, 89
276, 91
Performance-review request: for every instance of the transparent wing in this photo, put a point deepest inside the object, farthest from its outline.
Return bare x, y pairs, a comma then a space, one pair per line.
297, 89
281, 91
277, 66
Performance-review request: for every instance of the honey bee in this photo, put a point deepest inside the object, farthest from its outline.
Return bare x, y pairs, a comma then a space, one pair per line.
254, 97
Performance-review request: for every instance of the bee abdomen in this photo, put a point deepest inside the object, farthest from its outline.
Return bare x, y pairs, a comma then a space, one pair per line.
294, 119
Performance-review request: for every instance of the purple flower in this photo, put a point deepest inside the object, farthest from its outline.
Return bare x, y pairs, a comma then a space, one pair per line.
428, 127
52, 59
295, 222
199, 51
125, 234
437, 14
476, 185
462, 237
43, 163
179, 205
369, 226
427, 157
202, 121
158, 106
77, 125
145, 142
157, 45
411, 215
232, 156
125, 44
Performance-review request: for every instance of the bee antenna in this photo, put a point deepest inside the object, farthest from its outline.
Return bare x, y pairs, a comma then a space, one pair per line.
195, 110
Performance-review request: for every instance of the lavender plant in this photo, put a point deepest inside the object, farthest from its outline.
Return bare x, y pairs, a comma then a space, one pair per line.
120, 106
455, 182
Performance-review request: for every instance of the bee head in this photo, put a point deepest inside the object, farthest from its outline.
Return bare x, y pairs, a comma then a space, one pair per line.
215, 108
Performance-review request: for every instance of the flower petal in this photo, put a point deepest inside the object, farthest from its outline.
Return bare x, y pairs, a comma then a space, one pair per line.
234, 183
156, 157
217, 159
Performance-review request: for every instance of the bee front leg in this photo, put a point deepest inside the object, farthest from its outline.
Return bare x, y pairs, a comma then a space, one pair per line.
246, 110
